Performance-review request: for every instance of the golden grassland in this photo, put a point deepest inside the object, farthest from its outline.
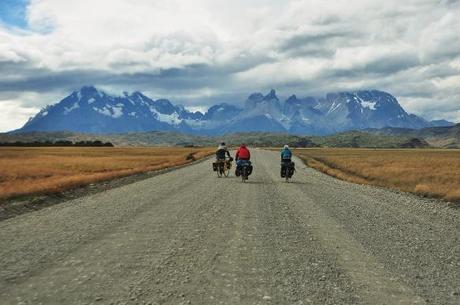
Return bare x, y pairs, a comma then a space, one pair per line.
27, 171
427, 172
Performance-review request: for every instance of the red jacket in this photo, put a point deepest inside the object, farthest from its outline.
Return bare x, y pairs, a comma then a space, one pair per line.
243, 153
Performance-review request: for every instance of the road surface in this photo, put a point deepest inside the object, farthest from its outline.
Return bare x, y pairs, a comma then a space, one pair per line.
187, 237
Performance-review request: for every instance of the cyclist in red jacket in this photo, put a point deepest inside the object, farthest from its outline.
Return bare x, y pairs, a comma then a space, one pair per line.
242, 153
242, 157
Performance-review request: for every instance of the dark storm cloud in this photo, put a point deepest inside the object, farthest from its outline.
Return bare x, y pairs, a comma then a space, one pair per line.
311, 45
312, 39
386, 65
42, 80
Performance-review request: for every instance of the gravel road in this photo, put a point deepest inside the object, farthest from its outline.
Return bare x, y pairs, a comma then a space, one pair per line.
187, 237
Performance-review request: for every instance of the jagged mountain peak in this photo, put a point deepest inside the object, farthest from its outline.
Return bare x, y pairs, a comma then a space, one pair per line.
92, 110
221, 107
271, 95
292, 98
255, 99
378, 96
141, 95
222, 111
166, 107
87, 89
86, 92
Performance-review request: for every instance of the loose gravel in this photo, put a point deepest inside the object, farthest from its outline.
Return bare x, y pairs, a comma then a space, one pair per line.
188, 237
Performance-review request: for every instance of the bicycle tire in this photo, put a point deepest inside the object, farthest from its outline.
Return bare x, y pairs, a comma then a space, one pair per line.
226, 170
219, 171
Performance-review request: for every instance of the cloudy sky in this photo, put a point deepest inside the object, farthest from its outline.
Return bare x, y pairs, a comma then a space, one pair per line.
200, 52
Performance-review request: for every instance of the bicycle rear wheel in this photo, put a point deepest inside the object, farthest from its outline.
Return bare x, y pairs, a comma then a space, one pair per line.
219, 170
226, 170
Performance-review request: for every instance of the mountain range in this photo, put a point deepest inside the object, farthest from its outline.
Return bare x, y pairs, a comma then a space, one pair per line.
90, 110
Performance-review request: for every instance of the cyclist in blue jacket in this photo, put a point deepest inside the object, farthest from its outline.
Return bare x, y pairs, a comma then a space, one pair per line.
286, 156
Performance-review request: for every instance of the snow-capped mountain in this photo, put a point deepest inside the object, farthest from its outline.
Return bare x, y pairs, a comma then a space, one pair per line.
91, 110
349, 110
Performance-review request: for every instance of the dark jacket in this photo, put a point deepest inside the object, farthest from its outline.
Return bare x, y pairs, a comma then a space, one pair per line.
221, 153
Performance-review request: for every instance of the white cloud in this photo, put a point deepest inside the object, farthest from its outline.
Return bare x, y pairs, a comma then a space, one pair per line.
451, 82
13, 116
181, 48
10, 56
271, 74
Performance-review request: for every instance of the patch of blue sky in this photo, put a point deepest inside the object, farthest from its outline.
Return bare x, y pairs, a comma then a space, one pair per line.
13, 13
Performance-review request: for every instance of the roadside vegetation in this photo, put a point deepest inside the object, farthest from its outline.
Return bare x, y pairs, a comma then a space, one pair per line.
356, 139
427, 172
33, 170
61, 143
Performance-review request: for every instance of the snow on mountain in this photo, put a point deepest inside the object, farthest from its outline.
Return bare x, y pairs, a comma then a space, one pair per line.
348, 110
67, 110
92, 110
368, 105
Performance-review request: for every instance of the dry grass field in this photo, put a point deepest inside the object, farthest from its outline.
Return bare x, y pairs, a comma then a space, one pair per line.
428, 172
26, 171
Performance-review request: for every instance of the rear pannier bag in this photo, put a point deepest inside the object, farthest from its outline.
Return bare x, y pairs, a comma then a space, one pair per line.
291, 169
238, 169
249, 170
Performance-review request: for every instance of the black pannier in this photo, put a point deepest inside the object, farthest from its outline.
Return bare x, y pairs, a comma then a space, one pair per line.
290, 169
249, 167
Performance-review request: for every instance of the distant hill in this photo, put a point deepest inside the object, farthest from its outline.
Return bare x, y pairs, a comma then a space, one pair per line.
258, 139
446, 137
159, 138
90, 110
363, 139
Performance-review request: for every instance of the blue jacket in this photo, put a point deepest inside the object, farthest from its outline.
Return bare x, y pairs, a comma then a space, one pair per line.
286, 154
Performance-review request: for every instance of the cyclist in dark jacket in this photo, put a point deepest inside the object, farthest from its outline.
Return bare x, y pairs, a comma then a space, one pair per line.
222, 152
